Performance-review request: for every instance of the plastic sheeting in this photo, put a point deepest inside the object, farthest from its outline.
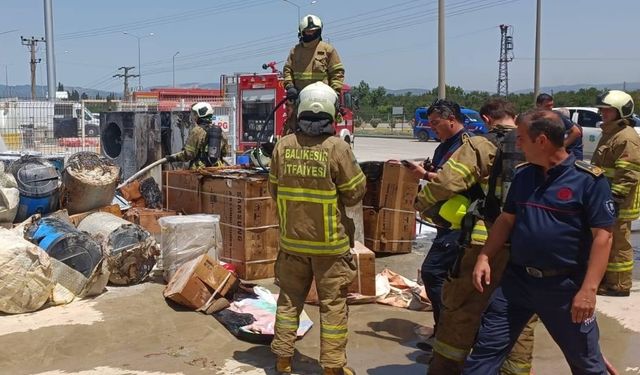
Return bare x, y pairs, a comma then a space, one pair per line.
186, 237
26, 281
9, 197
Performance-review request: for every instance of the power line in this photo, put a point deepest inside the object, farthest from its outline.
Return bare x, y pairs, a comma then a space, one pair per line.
164, 20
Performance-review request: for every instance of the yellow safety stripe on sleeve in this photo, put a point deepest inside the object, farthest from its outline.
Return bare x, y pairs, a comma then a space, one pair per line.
449, 351
273, 179
353, 183
333, 332
315, 248
310, 75
479, 233
511, 367
335, 67
620, 267
629, 214
286, 322
428, 195
621, 164
609, 172
190, 148
462, 169
618, 189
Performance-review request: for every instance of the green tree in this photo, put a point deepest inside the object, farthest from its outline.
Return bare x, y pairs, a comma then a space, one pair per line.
60, 86
75, 95
84, 96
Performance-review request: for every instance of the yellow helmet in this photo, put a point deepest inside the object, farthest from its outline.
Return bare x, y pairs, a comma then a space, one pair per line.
617, 99
454, 209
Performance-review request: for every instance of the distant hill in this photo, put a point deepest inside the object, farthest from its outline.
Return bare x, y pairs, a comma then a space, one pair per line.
24, 91
629, 86
405, 91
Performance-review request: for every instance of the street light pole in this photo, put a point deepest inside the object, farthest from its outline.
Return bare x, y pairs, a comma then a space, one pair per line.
174, 68
139, 64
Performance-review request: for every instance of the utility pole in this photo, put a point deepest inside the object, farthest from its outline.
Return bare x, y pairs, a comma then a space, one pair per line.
7, 93
32, 45
536, 69
506, 56
126, 77
442, 93
51, 60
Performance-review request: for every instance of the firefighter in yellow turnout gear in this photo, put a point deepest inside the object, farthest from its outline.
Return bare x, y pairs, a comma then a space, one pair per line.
618, 153
313, 176
470, 168
312, 60
206, 144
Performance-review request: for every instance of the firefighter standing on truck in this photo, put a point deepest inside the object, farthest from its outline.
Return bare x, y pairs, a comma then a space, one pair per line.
618, 153
311, 60
462, 305
207, 144
313, 176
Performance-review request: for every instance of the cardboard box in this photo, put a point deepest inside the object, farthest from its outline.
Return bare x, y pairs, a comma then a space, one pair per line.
253, 251
389, 231
365, 281
248, 219
181, 191
389, 185
241, 200
147, 218
195, 281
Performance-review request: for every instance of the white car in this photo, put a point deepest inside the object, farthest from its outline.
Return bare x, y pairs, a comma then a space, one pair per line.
590, 120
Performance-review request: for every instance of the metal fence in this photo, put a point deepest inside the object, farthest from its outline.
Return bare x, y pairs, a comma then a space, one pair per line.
67, 127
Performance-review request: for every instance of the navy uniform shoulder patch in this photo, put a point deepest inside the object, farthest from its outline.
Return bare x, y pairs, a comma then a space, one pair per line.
588, 167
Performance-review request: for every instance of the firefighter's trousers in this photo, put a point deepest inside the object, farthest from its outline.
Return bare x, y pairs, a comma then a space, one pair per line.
461, 315
332, 274
618, 275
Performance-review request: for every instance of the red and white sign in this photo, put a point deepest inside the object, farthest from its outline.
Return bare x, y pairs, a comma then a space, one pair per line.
222, 122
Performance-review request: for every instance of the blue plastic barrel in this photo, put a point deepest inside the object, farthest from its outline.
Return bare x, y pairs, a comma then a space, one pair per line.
64, 242
39, 184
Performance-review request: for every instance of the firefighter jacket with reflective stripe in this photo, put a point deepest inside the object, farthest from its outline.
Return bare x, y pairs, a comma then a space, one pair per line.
618, 153
469, 165
312, 179
312, 62
196, 149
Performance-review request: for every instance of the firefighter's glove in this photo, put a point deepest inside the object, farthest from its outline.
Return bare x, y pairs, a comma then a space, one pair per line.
428, 165
292, 93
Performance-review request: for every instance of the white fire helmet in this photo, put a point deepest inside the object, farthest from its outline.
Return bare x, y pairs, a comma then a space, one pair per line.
318, 100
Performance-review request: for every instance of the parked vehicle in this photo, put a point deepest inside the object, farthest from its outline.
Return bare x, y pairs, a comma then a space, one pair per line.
422, 130
590, 120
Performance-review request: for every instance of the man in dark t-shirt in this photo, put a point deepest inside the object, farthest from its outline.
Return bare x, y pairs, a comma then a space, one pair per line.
573, 132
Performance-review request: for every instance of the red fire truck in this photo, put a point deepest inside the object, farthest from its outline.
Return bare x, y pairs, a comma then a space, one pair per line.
257, 94
171, 99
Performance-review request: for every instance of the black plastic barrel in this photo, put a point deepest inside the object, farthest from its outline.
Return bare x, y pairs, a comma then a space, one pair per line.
64, 242
39, 184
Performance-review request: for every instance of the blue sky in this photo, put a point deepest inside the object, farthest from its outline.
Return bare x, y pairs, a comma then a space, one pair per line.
391, 43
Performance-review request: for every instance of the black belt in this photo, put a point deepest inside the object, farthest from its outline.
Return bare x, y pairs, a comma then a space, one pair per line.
539, 274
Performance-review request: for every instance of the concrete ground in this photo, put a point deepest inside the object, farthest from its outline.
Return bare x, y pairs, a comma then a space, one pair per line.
134, 331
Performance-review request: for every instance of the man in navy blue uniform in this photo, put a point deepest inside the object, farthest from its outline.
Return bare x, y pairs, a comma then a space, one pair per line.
558, 217
573, 132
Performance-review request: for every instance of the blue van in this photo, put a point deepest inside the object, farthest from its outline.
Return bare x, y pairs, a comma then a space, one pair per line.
422, 131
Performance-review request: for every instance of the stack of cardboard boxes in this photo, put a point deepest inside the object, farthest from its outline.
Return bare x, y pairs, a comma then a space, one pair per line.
248, 219
388, 213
